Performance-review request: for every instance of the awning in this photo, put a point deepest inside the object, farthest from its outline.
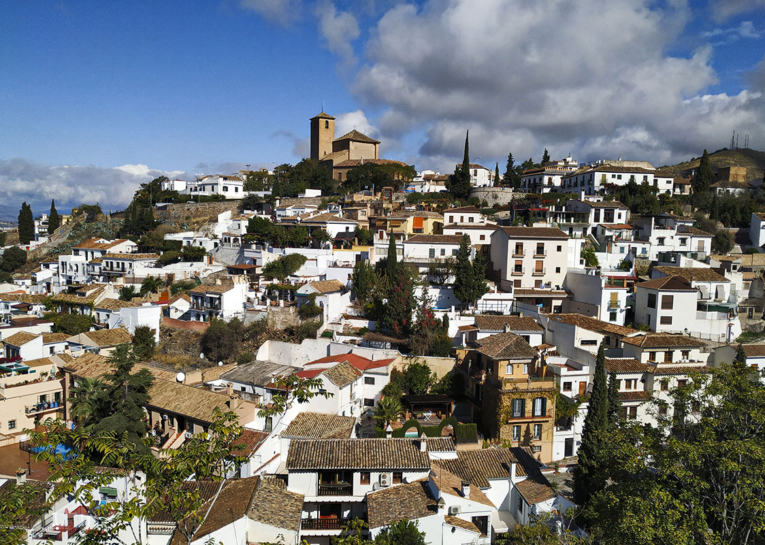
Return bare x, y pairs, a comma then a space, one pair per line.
108, 491
502, 521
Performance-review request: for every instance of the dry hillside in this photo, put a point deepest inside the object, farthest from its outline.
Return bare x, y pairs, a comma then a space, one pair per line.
753, 160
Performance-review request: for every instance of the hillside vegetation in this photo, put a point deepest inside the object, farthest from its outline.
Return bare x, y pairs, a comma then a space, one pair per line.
753, 160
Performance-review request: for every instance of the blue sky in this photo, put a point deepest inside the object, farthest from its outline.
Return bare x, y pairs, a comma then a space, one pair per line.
173, 86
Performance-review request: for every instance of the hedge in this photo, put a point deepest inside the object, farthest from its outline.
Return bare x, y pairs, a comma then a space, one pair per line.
466, 433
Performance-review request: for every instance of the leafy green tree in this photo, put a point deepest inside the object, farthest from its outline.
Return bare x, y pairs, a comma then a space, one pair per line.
480, 288
697, 480
701, 183
54, 221
391, 262
403, 532
127, 293
364, 236
72, 323
588, 254
458, 183
193, 254
256, 180
545, 157
320, 236
26, 224
388, 409
6, 277
589, 477
3, 236
298, 236
120, 409
169, 257
144, 342
469, 278
151, 284
284, 266
722, 243
221, 340
13, 258
292, 389
418, 378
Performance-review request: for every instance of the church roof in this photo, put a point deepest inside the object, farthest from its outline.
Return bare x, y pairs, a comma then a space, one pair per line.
356, 136
322, 115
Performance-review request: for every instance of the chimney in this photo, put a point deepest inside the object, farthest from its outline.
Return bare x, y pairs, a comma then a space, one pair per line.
21, 475
466, 489
229, 389
389, 431
507, 328
512, 472
423, 443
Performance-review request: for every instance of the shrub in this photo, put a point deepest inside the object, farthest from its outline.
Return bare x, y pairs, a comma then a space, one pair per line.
144, 342
13, 258
169, 257
244, 357
306, 330
284, 266
221, 340
72, 324
328, 334
182, 285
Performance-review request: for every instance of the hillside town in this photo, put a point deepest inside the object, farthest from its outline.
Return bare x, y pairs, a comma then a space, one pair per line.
349, 348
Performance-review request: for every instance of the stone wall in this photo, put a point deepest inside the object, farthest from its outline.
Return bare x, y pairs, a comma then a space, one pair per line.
495, 196
178, 214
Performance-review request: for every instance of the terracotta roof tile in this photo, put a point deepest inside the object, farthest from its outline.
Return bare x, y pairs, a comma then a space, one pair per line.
701, 274
19, 339
461, 523
328, 286
342, 374
434, 239
535, 489
478, 466
626, 397
667, 283
102, 338
462, 210
49, 338
356, 136
274, 505
449, 483
410, 501
349, 163
680, 369
662, 340
625, 365
535, 232
487, 322
356, 454
591, 324
196, 403
504, 346
754, 350
320, 426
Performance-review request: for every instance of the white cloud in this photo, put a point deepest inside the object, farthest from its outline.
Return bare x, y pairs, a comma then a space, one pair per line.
728, 35
24, 180
338, 29
283, 12
346, 122
591, 77
725, 9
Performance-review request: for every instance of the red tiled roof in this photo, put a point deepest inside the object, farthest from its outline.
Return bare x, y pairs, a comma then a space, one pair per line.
359, 362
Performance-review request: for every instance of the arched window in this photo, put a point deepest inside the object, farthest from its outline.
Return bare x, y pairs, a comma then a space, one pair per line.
326, 124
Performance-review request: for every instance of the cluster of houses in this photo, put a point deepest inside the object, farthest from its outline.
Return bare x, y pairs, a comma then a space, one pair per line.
581, 275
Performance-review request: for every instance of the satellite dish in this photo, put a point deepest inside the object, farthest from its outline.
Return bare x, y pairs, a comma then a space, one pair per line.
180, 377
220, 364
201, 356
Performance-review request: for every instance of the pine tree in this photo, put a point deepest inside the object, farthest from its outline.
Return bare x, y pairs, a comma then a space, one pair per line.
463, 273
508, 178
545, 157
589, 477
26, 224
614, 404
54, 222
496, 174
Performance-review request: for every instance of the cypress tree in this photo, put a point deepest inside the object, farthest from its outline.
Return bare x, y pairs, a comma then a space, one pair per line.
26, 224
391, 263
614, 405
545, 157
496, 174
466, 157
54, 222
479, 277
589, 477
704, 176
459, 182
463, 273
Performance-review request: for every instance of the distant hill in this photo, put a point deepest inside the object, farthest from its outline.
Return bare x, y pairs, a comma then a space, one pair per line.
753, 160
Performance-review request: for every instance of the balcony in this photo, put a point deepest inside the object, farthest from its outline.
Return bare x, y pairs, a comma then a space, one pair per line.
518, 272
520, 253
532, 383
541, 254
539, 272
339, 489
59, 532
42, 407
614, 304
323, 524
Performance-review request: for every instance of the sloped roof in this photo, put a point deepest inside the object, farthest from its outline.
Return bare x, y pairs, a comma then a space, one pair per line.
356, 454
591, 324
434, 239
667, 283
754, 350
350, 163
102, 338
257, 373
504, 346
342, 374
461, 523
359, 362
536, 489
90, 365
327, 286
662, 340
478, 466
274, 505
249, 442
488, 322
449, 483
625, 365
700, 274
322, 115
19, 339
409, 501
197, 403
328, 217
462, 210
50, 338
356, 136
535, 232
320, 426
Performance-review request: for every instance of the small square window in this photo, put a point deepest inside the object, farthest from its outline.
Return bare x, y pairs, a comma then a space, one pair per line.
557, 269
560, 248
398, 477
369, 380
566, 386
11, 424
365, 477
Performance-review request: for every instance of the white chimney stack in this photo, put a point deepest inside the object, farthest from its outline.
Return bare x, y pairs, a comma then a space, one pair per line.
466, 489
21, 476
423, 443
512, 472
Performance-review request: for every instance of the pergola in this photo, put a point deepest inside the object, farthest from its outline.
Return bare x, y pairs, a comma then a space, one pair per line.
430, 402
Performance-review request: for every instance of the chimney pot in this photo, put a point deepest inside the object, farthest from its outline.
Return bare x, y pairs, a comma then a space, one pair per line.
423, 443
21, 476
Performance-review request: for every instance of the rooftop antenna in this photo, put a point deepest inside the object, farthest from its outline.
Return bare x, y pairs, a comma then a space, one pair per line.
736, 141
733, 140
322, 105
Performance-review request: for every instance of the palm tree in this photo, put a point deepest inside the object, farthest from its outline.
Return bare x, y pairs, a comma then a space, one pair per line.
388, 409
83, 399
151, 284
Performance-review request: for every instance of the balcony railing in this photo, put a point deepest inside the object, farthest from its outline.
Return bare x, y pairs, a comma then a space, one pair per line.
42, 407
340, 489
539, 272
532, 383
516, 253
614, 304
518, 272
543, 253
323, 524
